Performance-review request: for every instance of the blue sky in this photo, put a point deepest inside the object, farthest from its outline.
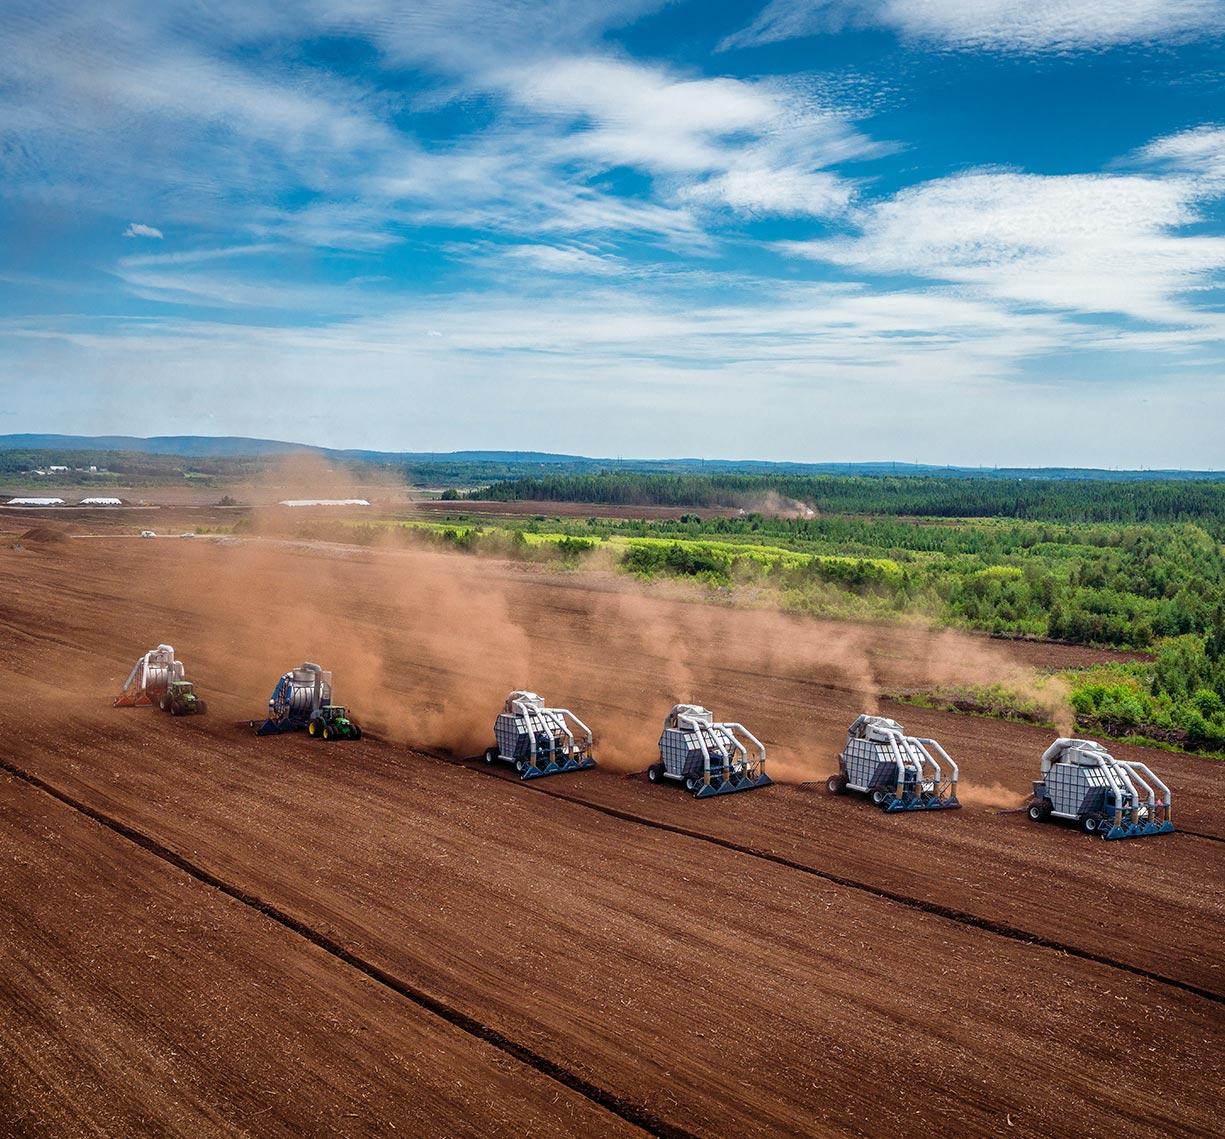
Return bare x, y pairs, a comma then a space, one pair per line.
988, 233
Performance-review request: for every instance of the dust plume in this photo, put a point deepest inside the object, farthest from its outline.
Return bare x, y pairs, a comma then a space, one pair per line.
778, 506
989, 795
305, 475
424, 645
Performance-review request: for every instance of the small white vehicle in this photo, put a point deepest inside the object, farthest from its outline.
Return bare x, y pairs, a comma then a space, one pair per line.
147, 534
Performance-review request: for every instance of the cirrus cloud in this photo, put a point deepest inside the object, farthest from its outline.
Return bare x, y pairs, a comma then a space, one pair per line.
998, 25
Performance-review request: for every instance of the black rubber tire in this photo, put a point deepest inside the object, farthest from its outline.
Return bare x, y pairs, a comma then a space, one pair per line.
326, 733
201, 707
312, 729
655, 773
878, 796
692, 783
1037, 812
162, 703
520, 764
836, 785
1089, 824
357, 731
491, 754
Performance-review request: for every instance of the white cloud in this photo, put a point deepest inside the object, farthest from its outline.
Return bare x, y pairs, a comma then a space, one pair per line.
1199, 152
806, 371
1082, 243
139, 229
1003, 25
754, 147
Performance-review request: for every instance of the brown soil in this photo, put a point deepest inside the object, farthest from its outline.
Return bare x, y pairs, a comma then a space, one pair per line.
44, 534
778, 962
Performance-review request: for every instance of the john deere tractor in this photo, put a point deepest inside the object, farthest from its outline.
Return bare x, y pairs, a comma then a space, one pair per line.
180, 699
331, 722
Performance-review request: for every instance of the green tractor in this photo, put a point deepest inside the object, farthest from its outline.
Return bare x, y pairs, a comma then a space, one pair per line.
180, 699
331, 722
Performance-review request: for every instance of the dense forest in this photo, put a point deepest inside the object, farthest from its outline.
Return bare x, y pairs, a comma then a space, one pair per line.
132, 468
1085, 500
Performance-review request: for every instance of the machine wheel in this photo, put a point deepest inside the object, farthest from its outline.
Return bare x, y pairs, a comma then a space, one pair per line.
312, 729
878, 796
201, 707
655, 773
691, 783
836, 785
162, 703
327, 732
357, 731
491, 753
1089, 824
520, 764
1037, 812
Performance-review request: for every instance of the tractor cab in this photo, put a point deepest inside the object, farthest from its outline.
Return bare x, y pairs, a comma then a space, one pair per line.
180, 699
331, 722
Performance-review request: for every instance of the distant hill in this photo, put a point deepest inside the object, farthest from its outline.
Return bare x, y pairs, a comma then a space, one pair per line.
491, 463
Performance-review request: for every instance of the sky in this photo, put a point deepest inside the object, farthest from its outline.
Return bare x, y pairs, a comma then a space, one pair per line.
820, 230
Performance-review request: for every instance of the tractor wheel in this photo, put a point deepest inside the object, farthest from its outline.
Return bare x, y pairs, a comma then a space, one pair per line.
878, 796
327, 732
1037, 812
162, 703
1089, 824
312, 729
357, 731
836, 785
655, 773
201, 707
491, 753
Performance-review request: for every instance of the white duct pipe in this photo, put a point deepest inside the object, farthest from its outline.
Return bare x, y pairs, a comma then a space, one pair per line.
1166, 798
922, 757
761, 748
953, 768
697, 726
904, 762
581, 726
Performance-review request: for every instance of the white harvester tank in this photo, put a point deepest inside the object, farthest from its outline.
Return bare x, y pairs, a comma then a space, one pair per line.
301, 692
539, 740
151, 675
706, 757
1116, 798
898, 772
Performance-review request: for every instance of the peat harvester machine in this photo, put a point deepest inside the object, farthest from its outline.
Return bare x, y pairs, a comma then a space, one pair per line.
1080, 781
538, 740
896, 771
159, 678
708, 758
302, 700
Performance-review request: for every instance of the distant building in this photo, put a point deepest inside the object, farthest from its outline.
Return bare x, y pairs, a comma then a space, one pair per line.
35, 502
101, 502
325, 502
57, 468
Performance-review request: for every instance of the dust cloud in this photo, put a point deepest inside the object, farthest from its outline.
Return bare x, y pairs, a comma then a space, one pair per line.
990, 795
425, 645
